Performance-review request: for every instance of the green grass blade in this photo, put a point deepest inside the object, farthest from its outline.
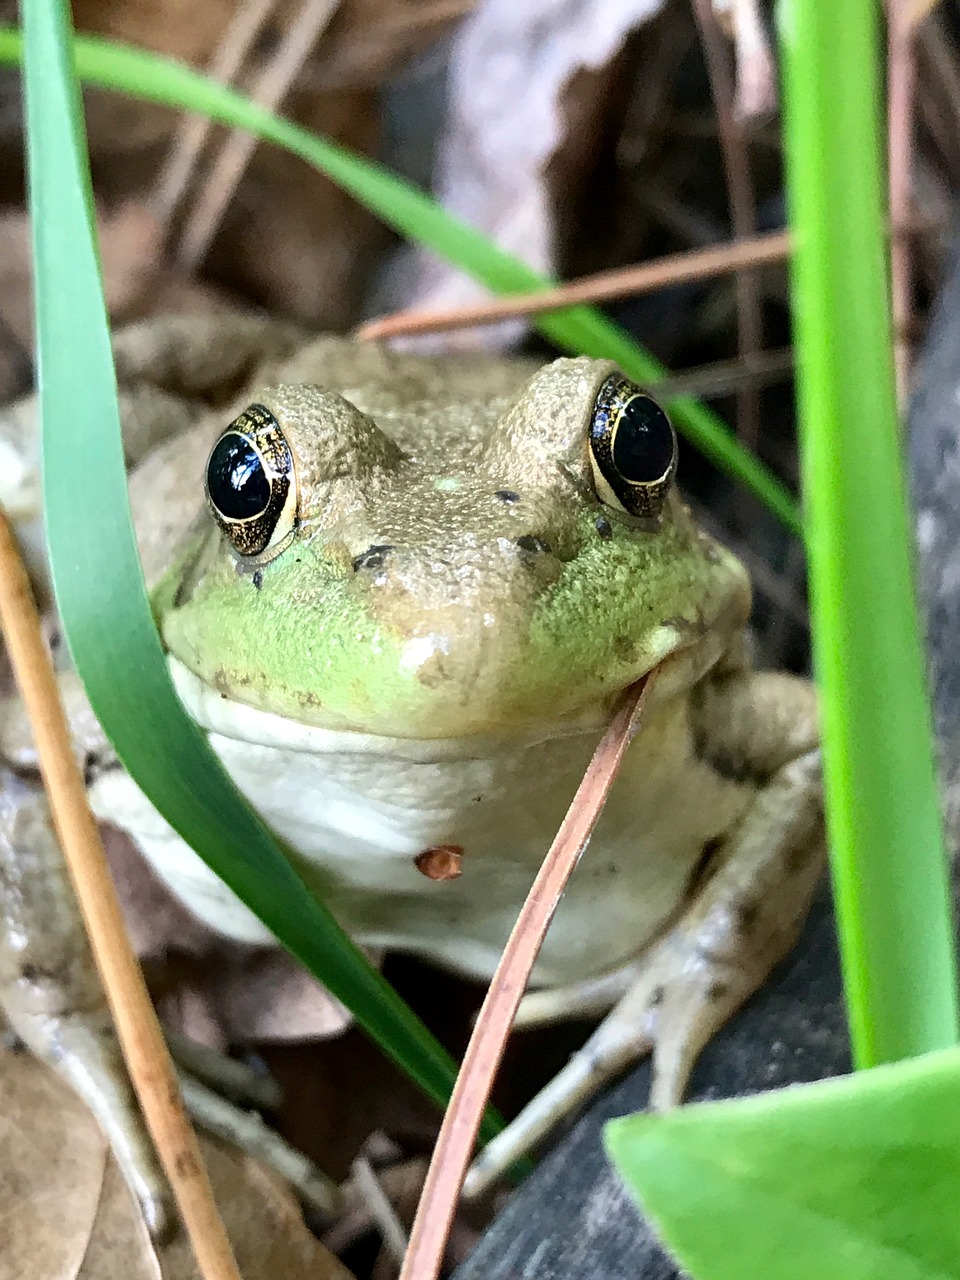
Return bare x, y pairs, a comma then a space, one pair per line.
883, 808
579, 329
100, 590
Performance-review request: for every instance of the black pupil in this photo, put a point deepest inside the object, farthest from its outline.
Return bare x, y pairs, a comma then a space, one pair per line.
643, 445
236, 480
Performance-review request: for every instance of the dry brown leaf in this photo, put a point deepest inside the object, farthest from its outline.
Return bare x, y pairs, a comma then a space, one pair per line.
66, 1213
507, 118
290, 239
215, 991
60, 1212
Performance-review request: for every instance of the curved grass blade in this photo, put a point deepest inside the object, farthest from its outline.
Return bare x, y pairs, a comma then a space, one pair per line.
99, 586
583, 330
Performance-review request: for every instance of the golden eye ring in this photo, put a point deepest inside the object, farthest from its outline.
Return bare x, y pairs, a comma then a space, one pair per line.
633, 449
250, 485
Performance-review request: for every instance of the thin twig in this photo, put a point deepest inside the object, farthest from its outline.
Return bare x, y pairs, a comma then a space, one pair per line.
710, 381
404, 1202
381, 1210
231, 1078
742, 200
695, 226
248, 1131
409, 26
458, 1132
677, 268
193, 131
223, 177
141, 1039
399, 1182
901, 81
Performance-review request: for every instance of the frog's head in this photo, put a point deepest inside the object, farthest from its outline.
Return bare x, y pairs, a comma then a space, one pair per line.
340, 580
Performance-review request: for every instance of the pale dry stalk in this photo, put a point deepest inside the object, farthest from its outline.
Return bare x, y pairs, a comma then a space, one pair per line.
141, 1039
624, 282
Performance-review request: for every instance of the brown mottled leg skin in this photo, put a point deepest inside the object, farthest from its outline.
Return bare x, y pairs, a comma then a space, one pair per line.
50, 991
740, 923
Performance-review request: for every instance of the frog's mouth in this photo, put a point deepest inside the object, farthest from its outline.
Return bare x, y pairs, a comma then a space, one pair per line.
219, 714
679, 665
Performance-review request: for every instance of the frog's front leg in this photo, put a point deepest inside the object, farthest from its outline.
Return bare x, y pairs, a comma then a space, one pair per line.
740, 922
50, 991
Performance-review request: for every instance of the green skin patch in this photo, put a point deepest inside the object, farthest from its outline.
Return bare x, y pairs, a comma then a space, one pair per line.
455, 570
315, 640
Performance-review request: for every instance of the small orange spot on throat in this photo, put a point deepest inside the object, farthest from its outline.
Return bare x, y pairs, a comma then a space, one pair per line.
440, 862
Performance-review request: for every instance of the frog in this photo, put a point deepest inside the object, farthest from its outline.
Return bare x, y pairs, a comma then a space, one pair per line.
402, 595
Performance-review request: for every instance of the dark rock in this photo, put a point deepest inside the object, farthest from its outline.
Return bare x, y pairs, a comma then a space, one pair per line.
934, 456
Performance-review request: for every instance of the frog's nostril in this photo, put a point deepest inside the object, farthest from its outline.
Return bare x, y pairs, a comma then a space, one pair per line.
373, 557
531, 546
507, 496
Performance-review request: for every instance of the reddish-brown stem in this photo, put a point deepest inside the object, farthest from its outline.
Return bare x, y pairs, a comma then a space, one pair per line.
461, 1123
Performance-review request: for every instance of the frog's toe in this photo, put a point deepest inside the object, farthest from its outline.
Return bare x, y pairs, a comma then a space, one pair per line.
690, 1004
626, 1034
679, 998
590, 998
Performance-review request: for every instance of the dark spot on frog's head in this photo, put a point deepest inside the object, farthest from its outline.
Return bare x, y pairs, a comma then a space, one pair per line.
258, 579
729, 767
373, 557
718, 991
604, 527
507, 496
625, 647
220, 682
530, 546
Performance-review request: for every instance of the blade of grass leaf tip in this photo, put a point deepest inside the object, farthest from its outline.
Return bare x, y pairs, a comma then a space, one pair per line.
851, 1179
883, 808
582, 330
100, 592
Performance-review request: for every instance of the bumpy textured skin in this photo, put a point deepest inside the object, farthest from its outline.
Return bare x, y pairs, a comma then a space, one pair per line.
460, 627
429, 661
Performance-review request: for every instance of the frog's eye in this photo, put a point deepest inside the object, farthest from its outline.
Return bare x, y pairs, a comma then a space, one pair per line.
251, 485
633, 451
